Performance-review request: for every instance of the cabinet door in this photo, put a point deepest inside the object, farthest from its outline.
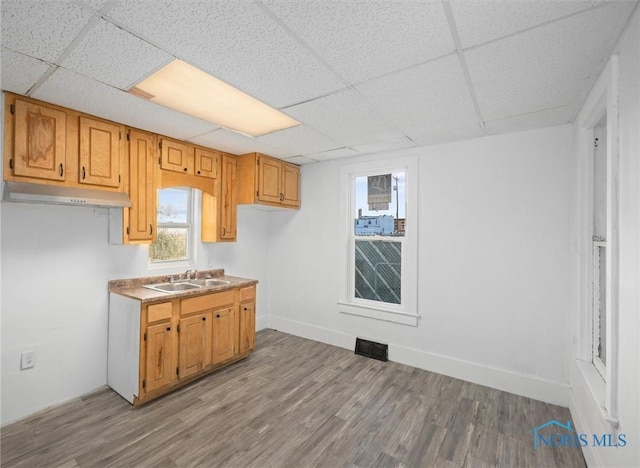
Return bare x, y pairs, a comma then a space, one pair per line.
195, 344
99, 152
290, 185
229, 199
222, 335
206, 163
159, 343
40, 141
268, 180
247, 326
142, 187
174, 156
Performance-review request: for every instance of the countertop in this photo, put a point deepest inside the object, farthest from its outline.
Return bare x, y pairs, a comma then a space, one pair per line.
134, 287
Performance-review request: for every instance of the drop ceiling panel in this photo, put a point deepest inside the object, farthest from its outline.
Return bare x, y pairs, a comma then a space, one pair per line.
299, 140
480, 22
345, 116
547, 67
301, 160
19, 72
364, 39
338, 153
445, 134
423, 99
380, 146
235, 143
71, 90
236, 42
42, 30
115, 57
546, 118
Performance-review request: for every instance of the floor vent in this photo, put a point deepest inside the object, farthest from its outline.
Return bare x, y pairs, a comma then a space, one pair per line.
372, 349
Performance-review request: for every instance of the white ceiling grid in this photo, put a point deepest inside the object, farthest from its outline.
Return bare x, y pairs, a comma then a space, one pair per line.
361, 76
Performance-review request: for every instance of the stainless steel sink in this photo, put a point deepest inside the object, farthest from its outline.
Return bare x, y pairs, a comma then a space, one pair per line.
187, 285
172, 287
210, 282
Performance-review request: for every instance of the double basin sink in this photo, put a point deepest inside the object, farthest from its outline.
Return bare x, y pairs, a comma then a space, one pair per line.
186, 285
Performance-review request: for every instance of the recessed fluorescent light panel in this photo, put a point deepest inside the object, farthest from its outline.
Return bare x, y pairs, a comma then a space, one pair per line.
185, 88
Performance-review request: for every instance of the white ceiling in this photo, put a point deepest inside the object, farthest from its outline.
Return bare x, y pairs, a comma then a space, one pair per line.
361, 76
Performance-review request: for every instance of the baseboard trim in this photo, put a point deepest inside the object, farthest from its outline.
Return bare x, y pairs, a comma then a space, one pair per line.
521, 384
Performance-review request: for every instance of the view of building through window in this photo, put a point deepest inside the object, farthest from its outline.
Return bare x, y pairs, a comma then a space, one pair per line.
174, 226
379, 228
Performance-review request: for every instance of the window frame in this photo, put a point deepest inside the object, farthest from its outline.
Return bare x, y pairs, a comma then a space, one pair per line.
603, 382
189, 225
406, 312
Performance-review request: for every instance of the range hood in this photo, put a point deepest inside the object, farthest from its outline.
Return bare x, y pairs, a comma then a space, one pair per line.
57, 195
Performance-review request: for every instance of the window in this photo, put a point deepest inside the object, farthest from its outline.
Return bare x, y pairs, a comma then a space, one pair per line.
175, 237
377, 244
380, 237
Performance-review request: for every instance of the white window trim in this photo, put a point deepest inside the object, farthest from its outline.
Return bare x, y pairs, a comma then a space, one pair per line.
407, 312
602, 99
189, 262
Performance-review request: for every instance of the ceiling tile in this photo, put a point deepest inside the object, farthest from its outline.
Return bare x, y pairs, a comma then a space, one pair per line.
115, 57
545, 118
338, 153
546, 67
365, 39
236, 42
301, 160
235, 143
388, 145
42, 30
428, 98
345, 116
96, 4
480, 22
437, 135
74, 91
19, 72
299, 140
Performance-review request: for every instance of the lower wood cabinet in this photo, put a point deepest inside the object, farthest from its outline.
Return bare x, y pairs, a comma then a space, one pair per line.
156, 347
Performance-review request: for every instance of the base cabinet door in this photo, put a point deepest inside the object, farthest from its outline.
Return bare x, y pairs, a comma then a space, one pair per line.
223, 334
159, 346
247, 326
194, 343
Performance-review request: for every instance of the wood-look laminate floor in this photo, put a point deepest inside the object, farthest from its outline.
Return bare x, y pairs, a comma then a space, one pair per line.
295, 402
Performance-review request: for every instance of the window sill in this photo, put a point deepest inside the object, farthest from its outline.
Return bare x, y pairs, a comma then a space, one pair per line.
379, 313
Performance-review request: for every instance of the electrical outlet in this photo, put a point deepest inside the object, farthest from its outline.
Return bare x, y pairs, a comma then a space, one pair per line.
27, 360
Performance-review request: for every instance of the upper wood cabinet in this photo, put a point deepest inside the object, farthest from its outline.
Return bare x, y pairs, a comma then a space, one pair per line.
99, 152
206, 162
268, 181
174, 156
140, 220
219, 211
39, 141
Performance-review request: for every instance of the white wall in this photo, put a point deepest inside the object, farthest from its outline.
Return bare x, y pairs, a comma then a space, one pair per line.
494, 264
584, 407
56, 262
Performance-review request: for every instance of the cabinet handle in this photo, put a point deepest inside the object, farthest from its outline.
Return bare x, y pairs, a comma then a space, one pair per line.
83, 173
224, 231
218, 316
185, 169
244, 308
61, 170
150, 228
198, 172
204, 319
168, 328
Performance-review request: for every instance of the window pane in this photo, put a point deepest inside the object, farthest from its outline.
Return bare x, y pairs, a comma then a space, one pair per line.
173, 206
380, 205
171, 245
602, 305
378, 270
